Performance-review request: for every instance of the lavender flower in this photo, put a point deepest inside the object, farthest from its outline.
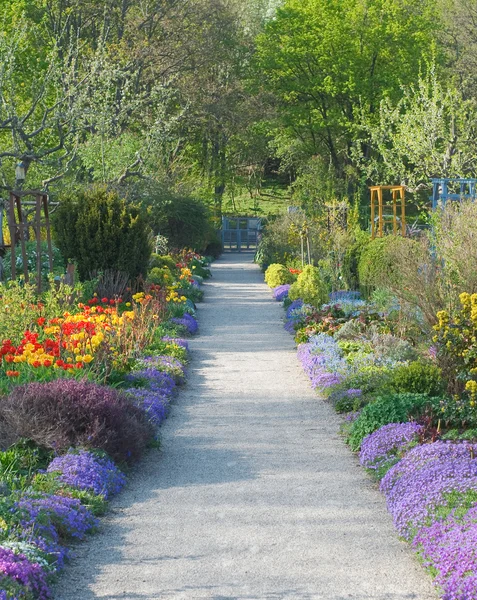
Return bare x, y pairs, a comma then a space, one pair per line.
380, 447
323, 361
86, 471
421, 482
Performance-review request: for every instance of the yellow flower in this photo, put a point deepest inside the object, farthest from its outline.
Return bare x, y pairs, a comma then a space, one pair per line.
87, 358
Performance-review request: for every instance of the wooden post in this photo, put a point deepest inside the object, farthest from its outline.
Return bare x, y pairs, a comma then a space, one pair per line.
39, 199
13, 234
380, 212
21, 226
373, 232
395, 193
48, 232
403, 211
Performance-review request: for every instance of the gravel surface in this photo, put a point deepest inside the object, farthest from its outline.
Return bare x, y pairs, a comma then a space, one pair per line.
253, 495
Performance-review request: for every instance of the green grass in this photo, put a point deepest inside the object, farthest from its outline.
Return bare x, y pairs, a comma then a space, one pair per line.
272, 199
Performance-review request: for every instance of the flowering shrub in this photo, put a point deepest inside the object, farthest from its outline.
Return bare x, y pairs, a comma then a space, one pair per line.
384, 447
456, 347
66, 413
154, 395
87, 471
169, 365
428, 477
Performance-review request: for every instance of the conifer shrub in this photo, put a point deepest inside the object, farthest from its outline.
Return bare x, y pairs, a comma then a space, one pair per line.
101, 231
309, 287
277, 274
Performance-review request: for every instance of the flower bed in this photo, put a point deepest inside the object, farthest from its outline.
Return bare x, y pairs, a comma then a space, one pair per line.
55, 374
410, 434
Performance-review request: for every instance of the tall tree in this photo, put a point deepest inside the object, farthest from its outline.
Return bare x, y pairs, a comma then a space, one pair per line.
325, 58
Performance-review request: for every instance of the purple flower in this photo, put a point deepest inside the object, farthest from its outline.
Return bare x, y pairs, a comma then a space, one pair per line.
380, 447
86, 471
187, 321
450, 548
421, 482
281, 292
20, 571
55, 517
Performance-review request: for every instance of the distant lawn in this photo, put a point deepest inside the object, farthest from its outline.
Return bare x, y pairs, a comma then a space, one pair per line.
273, 199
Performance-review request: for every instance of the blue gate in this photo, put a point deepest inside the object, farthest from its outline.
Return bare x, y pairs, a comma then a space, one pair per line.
240, 233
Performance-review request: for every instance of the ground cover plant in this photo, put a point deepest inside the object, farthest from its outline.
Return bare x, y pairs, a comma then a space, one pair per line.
85, 385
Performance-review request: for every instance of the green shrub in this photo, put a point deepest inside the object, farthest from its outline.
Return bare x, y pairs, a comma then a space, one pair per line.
375, 261
310, 287
159, 261
101, 231
159, 276
393, 408
185, 222
276, 275
418, 378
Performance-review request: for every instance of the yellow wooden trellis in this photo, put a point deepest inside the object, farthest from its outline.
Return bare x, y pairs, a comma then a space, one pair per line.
398, 193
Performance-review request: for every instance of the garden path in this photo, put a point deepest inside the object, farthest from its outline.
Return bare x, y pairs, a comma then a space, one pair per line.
253, 495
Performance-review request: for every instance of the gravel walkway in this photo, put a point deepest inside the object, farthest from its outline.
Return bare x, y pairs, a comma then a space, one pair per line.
253, 496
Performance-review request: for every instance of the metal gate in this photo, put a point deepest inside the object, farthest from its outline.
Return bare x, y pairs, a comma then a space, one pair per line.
240, 233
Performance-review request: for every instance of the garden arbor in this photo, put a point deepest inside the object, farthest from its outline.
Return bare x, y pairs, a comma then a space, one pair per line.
19, 211
380, 202
457, 188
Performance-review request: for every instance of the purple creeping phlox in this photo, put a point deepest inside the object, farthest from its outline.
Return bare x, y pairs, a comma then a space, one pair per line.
187, 321
450, 548
387, 442
55, 517
154, 397
17, 570
424, 478
86, 471
281, 292
296, 314
166, 364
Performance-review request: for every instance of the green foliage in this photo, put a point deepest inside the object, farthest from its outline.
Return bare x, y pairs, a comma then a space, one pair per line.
31, 250
158, 262
376, 262
100, 231
418, 378
393, 408
310, 287
277, 274
371, 380
184, 221
324, 59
